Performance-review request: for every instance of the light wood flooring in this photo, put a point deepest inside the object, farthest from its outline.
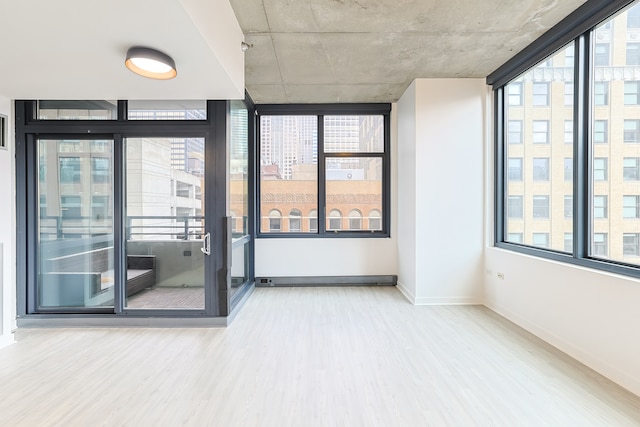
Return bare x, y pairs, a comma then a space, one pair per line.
354, 356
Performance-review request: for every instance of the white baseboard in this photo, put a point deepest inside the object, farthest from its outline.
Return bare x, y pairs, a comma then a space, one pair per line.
604, 368
448, 301
406, 292
6, 340
437, 301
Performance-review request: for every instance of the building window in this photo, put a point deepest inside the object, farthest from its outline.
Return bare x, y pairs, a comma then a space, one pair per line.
600, 169
568, 169
568, 206
601, 93
599, 247
568, 242
70, 170
514, 207
541, 169
569, 57
541, 240
515, 94
633, 53
568, 131
355, 220
599, 207
632, 130
515, 169
600, 131
540, 131
541, 207
630, 206
313, 221
631, 169
375, 222
325, 162
631, 92
514, 136
633, 17
295, 220
275, 221
568, 93
70, 207
601, 55
514, 237
540, 94
631, 244
334, 220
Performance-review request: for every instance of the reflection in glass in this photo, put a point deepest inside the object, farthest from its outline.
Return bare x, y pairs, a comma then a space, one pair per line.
354, 134
167, 110
288, 171
615, 137
164, 223
539, 129
77, 110
356, 183
239, 194
75, 224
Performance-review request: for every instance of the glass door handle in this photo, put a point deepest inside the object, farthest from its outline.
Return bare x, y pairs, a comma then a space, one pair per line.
206, 244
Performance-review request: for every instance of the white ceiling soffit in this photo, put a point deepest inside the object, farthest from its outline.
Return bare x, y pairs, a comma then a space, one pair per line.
75, 49
371, 50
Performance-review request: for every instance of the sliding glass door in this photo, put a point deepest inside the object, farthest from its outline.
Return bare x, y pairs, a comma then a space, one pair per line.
75, 228
133, 208
166, 240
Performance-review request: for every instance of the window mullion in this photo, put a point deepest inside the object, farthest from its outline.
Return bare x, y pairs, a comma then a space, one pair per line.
581, 149
322, 188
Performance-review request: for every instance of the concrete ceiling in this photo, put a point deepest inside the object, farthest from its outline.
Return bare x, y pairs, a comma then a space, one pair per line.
308, 51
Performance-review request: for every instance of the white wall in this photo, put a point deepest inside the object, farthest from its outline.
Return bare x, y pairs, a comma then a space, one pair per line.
593, 316
7, 234
406, 190
334, 257
446, 180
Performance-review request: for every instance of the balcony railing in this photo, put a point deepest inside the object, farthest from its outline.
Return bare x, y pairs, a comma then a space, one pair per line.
137, 227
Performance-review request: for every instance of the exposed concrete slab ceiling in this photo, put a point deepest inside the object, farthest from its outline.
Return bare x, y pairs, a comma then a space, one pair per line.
371, 50
75, 49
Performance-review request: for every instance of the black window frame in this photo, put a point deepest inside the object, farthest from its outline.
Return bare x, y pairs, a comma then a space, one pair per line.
577, 28
320, 111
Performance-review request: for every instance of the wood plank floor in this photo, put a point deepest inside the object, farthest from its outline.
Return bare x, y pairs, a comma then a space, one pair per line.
308, 357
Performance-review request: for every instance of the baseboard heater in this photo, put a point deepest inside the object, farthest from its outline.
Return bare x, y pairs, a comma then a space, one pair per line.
267, 282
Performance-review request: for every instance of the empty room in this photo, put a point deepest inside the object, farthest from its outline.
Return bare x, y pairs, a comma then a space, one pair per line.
320, 213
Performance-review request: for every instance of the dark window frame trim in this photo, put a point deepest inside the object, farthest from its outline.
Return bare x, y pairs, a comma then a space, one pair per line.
575, 28
29, 128
570, 28
321, 110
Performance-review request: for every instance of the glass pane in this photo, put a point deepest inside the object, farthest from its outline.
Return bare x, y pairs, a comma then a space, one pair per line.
539, 172
77, 110
288, 171
167, 110
353, 134
239, 194
354, 190
75, 224
239, 168
615, 138
164, 223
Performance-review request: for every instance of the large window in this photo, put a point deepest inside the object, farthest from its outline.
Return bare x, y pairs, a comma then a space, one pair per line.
543, 133
599, 190
332, 161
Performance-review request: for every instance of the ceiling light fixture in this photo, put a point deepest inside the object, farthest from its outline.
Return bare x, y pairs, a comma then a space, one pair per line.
150, 63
